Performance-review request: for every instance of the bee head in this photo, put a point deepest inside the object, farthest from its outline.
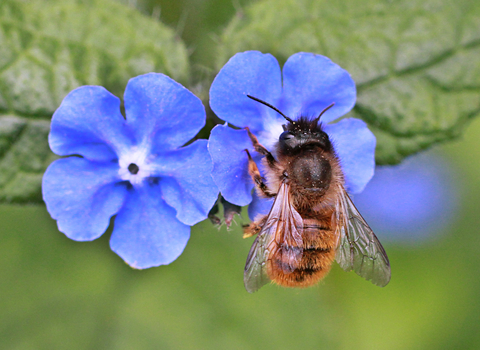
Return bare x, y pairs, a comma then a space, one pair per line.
304, 134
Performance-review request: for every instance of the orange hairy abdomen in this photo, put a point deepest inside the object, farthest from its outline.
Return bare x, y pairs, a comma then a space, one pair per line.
318, 254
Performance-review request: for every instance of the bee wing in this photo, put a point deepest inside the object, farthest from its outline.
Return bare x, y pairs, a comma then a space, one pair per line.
255, 273
359, 249
281, 235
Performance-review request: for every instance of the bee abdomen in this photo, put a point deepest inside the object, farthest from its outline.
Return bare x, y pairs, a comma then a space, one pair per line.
317, 255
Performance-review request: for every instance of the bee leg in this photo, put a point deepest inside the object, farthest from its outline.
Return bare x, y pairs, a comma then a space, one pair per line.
251, 230
272, 163
254, 228
257, 178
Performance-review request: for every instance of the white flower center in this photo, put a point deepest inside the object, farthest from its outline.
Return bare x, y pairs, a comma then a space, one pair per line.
134, 165
271, 132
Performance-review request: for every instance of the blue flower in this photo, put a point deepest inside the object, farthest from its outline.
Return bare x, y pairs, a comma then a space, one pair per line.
410, 201
134, 168
309, 84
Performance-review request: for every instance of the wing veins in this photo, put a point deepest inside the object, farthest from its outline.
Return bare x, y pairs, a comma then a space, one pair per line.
366, 256
280, 226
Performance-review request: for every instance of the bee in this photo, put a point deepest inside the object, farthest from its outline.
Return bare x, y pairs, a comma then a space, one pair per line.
312, 221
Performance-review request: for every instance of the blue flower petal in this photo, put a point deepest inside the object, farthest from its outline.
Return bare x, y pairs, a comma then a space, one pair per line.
259, 206
146, 232
89, 123
161, 112
311, 83
230, 163
245, 73
355, 146
186, 181
82, 196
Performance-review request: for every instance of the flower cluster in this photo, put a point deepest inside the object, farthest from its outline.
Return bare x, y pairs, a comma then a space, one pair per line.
133, 167
139, 170
309, 83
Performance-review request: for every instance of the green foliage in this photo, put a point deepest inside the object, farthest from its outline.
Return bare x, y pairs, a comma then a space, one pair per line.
416, 63
417, 67
48, 48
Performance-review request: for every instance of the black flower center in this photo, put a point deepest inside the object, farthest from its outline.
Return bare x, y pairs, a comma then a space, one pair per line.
133, 168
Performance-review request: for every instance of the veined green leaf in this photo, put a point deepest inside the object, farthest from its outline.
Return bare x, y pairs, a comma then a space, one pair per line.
47, 49
416, 62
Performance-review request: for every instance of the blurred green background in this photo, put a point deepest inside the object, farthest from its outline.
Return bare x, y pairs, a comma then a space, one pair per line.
59, 294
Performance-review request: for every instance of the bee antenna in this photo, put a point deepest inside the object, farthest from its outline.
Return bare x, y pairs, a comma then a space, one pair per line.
274, 108
324, 110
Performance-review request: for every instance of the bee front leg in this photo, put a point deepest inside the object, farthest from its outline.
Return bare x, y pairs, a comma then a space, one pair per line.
272, 163
257, 178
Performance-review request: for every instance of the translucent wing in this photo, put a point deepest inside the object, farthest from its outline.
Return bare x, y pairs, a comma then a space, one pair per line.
280, 237
359, 249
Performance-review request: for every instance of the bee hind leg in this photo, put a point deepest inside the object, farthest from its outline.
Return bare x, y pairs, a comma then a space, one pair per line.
257, 178
253, 228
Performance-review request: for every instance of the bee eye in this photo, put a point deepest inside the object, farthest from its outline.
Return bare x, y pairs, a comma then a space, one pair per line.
286, 135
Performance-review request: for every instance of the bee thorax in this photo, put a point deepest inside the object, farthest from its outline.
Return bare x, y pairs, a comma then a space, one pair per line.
312, 173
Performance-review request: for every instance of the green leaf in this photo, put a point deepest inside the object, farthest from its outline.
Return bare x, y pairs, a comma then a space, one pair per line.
416, 63
47, 49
